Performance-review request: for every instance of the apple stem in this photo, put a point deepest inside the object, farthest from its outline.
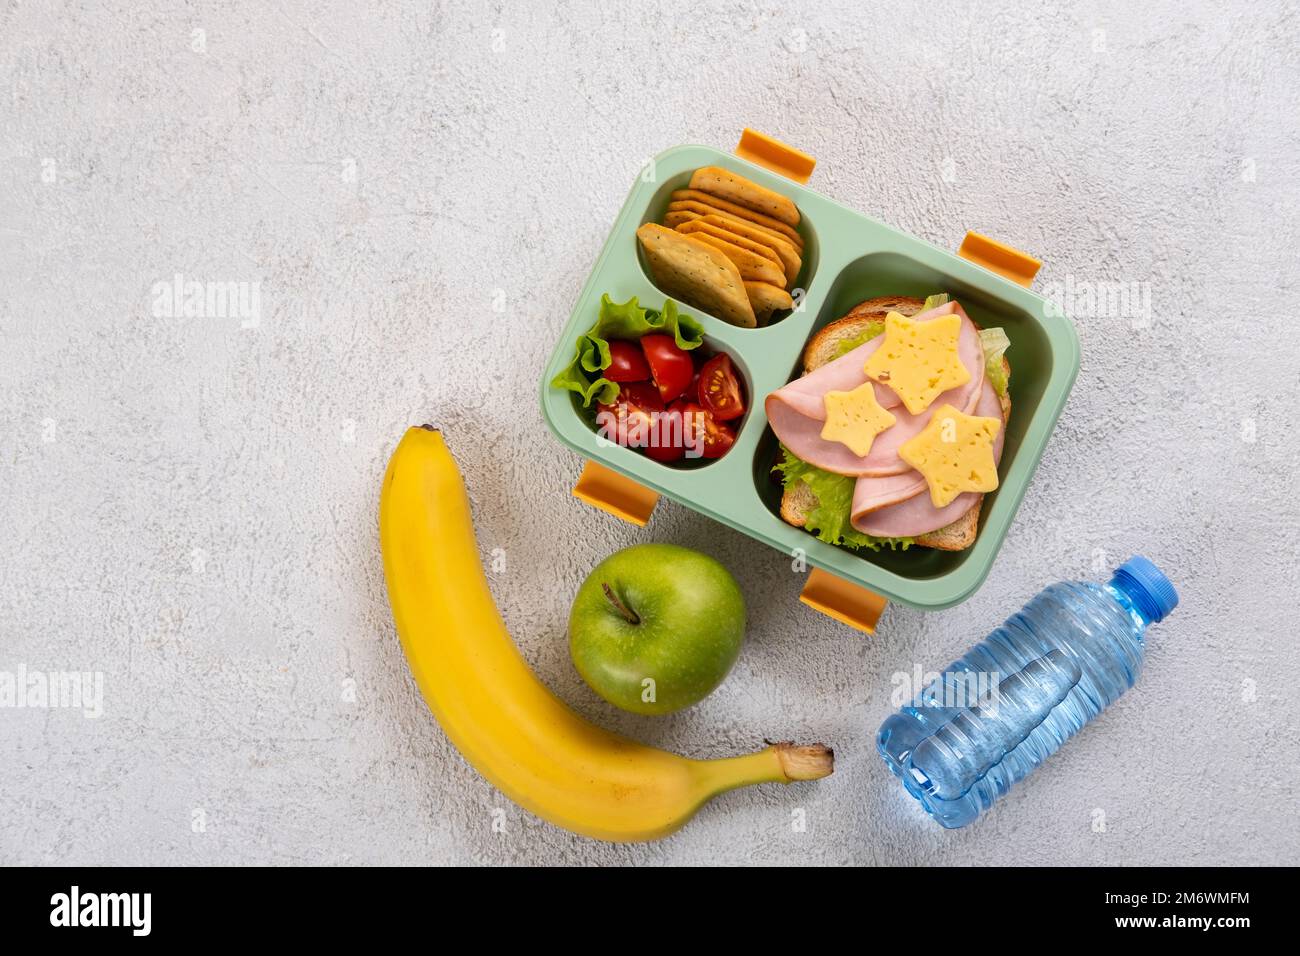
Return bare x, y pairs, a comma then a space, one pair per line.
622, 608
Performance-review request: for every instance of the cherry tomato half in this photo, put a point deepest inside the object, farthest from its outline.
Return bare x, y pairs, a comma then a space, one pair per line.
704, 435
666, 435
643, 394
627, 422
670, 366
638, 419
720, 389
627, 363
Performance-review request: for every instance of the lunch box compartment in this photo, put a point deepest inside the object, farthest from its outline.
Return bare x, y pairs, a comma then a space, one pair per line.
848, 257
886, 274
707, 350
657, 208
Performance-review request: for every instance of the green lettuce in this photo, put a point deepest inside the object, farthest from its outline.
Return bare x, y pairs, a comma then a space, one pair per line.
995, 342
625, 320
869, 332
829, 520
877, 326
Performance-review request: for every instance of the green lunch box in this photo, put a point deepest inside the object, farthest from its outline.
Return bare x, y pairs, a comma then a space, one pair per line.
848, 257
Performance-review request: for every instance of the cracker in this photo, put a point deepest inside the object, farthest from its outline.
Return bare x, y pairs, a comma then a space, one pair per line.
735, 188
722, 232
712, 204
751, 265
674, 219
791, 261
696, 273
766, 298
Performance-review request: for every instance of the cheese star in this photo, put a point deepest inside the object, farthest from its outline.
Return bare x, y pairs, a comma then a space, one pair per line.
954, 453
919, 360
855, 418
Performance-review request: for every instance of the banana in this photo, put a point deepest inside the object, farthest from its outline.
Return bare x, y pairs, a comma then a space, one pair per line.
502, 719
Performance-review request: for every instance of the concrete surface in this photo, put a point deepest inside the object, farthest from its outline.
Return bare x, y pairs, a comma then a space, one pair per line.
414, 193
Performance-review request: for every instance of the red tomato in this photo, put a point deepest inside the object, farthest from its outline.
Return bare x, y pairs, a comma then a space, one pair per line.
627, 364
704, 435
670, 366
628, 422
692, 393
640, 393
638, 419
666, 436
720, 389
612, 424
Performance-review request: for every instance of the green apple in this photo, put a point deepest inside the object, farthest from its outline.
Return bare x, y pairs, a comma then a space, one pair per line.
656, 627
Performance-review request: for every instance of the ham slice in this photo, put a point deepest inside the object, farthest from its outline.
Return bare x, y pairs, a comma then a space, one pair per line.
803, 436
917, 515
872, 494
807, 395
796, 411
845, 373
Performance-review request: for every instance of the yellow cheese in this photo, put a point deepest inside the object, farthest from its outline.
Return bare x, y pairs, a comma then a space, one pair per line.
919, 360
855, 418
954, 453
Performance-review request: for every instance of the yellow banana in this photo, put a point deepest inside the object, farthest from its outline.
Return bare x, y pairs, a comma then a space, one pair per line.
504, 720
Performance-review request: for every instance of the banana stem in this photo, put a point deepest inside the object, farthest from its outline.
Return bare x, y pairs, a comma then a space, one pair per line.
805, 762
778, 763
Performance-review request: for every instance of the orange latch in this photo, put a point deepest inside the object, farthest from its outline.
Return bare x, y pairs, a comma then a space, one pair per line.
848, 603
1010, 263
615, 493
762, 150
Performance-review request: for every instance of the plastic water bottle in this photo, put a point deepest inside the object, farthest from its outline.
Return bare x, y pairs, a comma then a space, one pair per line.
1015, 697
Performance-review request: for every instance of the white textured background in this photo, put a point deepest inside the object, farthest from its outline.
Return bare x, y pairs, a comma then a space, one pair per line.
189, 506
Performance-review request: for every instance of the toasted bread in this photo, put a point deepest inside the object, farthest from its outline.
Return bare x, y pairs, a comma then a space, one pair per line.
798, 500
821, 348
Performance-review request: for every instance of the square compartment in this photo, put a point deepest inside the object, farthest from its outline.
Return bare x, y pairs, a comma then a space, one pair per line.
1030, 356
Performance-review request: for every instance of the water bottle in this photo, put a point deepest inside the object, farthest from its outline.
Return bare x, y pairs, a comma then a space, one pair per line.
1015, 697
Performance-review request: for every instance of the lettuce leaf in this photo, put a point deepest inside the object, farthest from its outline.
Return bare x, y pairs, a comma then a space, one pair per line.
995, 342
869, 332
829, 520
877, 327
625, 320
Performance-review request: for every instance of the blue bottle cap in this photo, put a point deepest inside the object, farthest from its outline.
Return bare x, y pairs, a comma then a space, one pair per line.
1146, 584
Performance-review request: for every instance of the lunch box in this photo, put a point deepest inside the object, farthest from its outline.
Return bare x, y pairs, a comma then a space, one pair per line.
848, 257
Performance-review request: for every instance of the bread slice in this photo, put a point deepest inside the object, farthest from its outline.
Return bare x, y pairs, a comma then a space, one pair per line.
822, 347
799, 500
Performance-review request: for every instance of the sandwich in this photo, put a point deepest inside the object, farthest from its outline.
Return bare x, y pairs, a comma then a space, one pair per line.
893, 434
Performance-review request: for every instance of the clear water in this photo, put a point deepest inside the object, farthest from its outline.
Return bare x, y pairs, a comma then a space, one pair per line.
1059, 662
